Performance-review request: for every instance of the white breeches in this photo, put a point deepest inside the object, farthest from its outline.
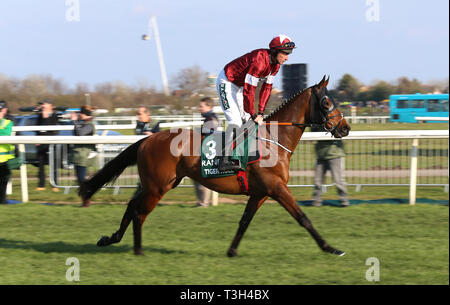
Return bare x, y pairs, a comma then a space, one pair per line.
231, 99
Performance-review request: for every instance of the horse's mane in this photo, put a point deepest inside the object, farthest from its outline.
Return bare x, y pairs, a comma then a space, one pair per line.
285, 102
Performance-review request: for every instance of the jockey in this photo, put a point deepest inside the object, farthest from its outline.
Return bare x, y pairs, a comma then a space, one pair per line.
236, 86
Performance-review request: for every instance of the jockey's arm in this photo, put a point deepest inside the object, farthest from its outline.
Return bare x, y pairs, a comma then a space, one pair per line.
264, 96
249, 93
249, 101
266, 89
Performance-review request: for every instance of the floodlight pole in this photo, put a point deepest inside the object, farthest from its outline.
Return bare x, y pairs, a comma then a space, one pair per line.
152, 24
88, 99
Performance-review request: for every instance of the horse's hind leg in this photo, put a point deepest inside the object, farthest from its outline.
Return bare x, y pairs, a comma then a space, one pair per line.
252, 206
285, 198
147, 204
126, 219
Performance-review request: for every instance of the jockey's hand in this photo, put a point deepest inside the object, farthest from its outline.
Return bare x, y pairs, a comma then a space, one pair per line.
259, 119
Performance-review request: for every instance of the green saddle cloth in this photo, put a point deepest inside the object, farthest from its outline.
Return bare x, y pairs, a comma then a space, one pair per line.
212, 152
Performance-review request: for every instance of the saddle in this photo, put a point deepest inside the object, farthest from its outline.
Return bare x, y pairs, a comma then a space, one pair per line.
246, 150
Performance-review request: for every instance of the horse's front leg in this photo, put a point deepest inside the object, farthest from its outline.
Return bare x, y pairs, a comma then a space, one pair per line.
252, 206
284, 196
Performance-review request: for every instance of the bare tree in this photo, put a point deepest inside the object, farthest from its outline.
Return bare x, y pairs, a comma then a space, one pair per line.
191, 79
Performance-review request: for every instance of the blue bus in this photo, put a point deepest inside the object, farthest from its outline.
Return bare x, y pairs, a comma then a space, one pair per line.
414, 108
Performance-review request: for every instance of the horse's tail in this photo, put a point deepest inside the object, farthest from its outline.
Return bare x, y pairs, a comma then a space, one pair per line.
110, 172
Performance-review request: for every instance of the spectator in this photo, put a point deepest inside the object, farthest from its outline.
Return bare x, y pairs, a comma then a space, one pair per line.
7, 151
80, 153
46, 117
143, 126
210, 124
330, 156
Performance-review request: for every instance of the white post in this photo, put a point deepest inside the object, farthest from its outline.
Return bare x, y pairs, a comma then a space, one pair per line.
88, 99
353, 109
23, 175
215, 198
101, 155
413, 172
160, 56
9, 188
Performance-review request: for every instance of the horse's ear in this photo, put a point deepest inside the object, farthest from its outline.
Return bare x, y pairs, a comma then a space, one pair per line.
326, 82
320, 85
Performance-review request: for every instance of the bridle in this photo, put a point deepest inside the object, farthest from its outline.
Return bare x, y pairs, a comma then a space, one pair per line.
318, 108
323, 113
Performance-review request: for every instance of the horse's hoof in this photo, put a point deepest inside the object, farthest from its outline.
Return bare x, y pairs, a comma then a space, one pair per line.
232, 252
103, 241
338, 252
334, 251
138, 252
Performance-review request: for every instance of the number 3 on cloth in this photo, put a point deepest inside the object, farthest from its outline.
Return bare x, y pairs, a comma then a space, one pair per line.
211, 154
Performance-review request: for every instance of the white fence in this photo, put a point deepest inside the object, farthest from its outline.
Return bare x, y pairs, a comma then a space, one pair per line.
381, 158
198, 122
132, 119
112, 120
389, 158
424, 119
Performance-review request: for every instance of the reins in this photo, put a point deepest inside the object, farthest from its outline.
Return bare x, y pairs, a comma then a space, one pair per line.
309, 124
325, 118
293, 124
323, 124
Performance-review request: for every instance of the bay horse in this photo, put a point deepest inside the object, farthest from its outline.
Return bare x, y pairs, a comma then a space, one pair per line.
161, 170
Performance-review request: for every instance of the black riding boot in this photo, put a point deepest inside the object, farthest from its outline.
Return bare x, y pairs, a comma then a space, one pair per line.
226, 164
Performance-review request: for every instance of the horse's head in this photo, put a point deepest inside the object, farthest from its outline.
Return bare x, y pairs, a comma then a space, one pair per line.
323, 111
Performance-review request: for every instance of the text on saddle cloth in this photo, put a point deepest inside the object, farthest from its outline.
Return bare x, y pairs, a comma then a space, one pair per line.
245, 151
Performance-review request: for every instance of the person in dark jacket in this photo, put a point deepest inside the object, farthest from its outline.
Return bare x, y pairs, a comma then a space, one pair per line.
46, 117
330, 156
80, 153
144, 126
210, 119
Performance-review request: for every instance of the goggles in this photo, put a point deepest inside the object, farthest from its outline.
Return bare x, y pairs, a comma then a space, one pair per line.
287, 45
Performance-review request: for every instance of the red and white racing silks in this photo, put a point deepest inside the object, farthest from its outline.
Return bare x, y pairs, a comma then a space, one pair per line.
246, 71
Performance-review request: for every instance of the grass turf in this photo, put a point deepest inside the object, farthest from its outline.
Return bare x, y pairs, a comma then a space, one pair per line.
185, 245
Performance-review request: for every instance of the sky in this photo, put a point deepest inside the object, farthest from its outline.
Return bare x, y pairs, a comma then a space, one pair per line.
96, 41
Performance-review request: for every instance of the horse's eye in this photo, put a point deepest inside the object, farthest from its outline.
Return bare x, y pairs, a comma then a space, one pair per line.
324, 102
